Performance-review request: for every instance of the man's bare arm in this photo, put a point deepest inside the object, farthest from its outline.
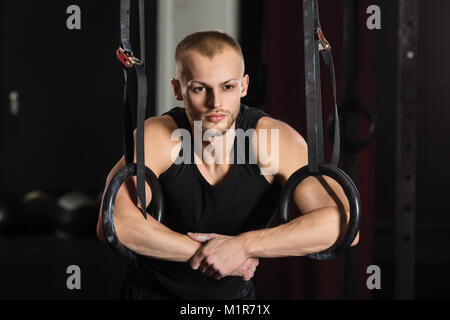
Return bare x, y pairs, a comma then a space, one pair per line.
147, 237
321, 200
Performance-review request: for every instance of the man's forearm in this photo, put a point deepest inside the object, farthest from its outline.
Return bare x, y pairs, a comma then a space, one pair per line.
306, 234
155, 240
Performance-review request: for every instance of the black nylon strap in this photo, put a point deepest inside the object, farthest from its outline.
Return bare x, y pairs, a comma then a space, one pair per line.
141, 107
328, 59
142, 31
312, 87
141, 103
126, 123
125, 25
312, 43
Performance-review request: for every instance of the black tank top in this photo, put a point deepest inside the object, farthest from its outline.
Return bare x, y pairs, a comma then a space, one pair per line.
243, 201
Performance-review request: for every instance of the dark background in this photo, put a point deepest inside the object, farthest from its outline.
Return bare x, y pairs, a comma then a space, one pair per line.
67, 137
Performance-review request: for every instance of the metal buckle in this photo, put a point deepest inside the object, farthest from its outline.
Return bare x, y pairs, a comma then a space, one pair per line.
324, 44
127, 58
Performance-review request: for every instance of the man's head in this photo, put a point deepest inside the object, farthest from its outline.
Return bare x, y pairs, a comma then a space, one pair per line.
210, 79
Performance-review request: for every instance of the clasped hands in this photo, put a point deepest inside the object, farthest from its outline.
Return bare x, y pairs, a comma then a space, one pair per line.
221, 256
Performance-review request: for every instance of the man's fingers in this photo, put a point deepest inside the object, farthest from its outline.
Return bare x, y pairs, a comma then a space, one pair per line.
196, 260
204, 266
247, 270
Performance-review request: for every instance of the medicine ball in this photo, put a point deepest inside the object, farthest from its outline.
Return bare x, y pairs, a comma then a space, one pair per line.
39, 209
77, 215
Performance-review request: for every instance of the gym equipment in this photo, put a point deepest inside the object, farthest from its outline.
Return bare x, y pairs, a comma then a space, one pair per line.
155, 208
132, 67
39, 208
407, 110
315, 41
77, 215
347, 112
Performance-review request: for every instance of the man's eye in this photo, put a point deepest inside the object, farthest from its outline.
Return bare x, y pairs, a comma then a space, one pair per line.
228, 87
199, 89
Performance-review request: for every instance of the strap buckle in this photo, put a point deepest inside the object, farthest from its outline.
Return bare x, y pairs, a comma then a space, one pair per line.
127, 58
324, 44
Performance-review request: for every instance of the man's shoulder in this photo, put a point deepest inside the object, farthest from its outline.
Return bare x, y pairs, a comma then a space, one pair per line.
159, 144
158, 134
279, 147
286, 136
266, 122
160, 126
269, 123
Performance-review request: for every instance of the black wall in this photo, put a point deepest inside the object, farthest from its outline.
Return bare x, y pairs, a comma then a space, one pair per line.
67, 134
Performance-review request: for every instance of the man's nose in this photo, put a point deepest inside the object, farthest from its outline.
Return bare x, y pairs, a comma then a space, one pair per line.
215, 99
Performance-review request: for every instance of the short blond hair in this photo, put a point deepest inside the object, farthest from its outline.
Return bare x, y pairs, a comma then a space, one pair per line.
208, 44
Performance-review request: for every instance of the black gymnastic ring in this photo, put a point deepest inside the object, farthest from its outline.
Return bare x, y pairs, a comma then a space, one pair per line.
350, 191
156, 207
354, 145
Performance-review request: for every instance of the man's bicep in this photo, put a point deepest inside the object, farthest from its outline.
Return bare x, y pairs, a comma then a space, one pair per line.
130, 191
317, 192
284, 150
314, 192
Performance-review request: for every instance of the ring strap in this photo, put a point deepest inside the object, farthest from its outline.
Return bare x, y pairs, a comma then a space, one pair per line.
125, 25
314, 41
139, 68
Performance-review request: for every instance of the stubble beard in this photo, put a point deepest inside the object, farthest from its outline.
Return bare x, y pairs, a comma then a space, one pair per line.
214, 129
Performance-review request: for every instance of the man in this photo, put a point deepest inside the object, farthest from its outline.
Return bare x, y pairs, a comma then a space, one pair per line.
218, 202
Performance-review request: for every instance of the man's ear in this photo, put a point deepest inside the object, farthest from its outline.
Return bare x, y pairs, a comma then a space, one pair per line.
244, 85
177, 89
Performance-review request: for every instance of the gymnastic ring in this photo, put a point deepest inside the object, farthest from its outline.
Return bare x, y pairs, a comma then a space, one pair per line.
354, 145
350, 191
156, 207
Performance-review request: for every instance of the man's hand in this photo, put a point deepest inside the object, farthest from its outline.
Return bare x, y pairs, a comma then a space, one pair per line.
246, 271
222, 256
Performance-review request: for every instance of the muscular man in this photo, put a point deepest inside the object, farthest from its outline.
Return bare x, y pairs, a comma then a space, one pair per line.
219, 201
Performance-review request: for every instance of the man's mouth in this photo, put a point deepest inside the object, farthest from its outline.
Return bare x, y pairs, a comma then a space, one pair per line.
215, 118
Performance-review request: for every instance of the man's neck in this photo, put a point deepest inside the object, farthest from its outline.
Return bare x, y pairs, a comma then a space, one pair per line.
216, 150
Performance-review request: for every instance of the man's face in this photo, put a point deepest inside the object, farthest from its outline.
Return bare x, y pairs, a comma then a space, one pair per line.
212, 89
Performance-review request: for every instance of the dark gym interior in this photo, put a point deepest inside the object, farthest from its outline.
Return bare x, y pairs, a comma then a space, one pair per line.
61, 122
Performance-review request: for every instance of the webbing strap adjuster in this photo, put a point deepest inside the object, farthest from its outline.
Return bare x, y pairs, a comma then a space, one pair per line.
324, 44
127, 58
